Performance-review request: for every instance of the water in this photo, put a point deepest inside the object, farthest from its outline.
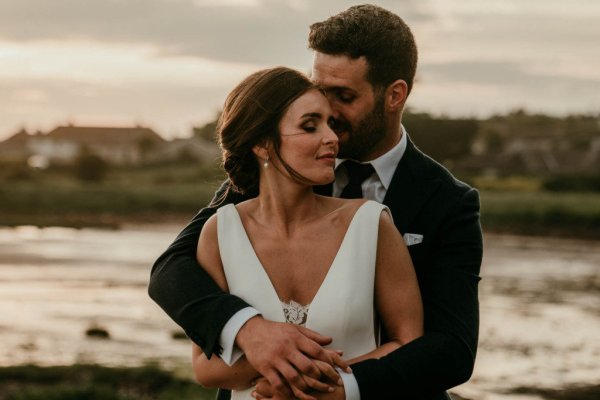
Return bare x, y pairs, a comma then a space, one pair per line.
55, 283
540, 314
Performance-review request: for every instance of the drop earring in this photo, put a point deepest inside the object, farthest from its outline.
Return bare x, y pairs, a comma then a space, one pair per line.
266, 163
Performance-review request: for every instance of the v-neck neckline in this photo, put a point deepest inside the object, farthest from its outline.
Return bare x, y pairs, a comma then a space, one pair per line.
261, 267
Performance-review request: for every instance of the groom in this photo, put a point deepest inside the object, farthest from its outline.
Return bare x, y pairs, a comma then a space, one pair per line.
365, 61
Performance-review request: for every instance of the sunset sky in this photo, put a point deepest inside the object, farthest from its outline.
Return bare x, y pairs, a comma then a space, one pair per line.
168, 64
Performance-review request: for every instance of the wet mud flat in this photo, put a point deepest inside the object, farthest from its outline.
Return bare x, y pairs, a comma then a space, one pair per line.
540, 318
540, 314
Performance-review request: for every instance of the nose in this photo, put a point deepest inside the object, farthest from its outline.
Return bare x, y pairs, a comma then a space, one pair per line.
330, 137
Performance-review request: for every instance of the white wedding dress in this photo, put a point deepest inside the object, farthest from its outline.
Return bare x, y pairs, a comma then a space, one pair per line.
343, 306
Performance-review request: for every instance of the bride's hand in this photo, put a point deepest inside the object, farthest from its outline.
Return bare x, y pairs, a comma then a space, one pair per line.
325, 384
264, 391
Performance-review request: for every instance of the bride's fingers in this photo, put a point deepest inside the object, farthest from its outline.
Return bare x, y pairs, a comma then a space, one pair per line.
336, 359
300, 395
330, 372
318, 385
262, 389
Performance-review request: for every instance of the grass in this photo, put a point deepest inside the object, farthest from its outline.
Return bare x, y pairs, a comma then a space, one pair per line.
94, 382
152, 194
542, 213
174, 193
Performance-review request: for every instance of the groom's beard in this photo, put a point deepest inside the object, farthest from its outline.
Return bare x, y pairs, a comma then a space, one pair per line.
368, 133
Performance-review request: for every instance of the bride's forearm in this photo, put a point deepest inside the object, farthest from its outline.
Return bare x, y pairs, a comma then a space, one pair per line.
379, 352
214, 373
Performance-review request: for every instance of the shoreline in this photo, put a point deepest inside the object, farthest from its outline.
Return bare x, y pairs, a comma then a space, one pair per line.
95, 381
531, 286
177, 221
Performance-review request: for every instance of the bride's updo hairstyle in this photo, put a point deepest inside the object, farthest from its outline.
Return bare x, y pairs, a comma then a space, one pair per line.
251, 116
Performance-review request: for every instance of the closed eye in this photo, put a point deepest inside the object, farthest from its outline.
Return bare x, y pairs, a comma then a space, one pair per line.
346, 98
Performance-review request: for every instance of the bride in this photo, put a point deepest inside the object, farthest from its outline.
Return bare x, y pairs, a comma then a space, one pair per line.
335, 266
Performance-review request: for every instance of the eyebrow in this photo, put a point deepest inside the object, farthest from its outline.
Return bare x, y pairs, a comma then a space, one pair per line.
338, 89
312, 115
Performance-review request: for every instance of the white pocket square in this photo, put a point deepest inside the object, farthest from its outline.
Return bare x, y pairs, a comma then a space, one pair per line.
412, 238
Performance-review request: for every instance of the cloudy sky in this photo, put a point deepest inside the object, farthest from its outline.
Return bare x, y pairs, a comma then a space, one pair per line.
169, 64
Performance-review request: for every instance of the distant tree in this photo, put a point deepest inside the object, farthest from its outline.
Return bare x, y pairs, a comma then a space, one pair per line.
89, 167
442, 138
208, 131
493, 142
146, 145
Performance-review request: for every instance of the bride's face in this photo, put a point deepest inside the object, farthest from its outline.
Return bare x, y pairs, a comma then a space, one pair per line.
308, 145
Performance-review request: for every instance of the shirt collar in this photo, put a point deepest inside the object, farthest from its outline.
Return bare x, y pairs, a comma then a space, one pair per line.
385, 165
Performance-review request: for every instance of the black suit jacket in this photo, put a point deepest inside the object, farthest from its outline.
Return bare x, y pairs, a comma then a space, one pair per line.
424, 199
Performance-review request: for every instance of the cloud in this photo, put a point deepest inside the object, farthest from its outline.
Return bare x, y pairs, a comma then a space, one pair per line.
483, 88
262, 32
42, 104
170, 63
498, 73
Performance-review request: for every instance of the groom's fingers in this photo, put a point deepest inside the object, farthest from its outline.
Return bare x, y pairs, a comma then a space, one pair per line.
315, 336
277, 383
267, 345
305, 365
313, 350
292, 376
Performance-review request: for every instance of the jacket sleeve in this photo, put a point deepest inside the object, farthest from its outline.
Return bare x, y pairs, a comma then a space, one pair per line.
183, 289
444, 356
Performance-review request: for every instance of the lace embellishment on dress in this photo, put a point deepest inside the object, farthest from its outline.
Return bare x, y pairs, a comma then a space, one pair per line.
295, 313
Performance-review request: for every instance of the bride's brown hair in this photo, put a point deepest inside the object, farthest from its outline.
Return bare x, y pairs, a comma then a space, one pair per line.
251, 117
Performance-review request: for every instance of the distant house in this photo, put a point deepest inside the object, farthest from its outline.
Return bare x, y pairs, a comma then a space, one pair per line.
194, 148
16, 147
120, 146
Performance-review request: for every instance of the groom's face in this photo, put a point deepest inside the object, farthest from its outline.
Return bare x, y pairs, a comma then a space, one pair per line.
357, 108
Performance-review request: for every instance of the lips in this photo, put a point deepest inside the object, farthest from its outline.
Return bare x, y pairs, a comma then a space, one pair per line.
327, 155
330, 157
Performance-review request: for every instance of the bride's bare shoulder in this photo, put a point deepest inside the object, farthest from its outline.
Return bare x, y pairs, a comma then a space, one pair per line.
341, 208
247, 206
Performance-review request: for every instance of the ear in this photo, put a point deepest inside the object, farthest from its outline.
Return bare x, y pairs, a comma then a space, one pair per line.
261, 151
395, 95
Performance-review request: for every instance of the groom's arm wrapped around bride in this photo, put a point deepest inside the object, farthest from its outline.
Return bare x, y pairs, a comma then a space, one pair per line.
447, 263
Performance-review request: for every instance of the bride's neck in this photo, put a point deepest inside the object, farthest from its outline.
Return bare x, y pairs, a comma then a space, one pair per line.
285, 207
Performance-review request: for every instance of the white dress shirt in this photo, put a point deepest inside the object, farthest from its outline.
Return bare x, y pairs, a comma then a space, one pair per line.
374, 188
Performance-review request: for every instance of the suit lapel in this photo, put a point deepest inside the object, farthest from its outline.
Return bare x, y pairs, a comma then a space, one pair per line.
410, 187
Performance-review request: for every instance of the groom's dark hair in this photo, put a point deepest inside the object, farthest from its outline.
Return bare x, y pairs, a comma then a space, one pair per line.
379, 35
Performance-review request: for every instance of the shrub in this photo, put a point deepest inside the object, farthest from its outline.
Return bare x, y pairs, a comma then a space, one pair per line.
90, 168
573, 183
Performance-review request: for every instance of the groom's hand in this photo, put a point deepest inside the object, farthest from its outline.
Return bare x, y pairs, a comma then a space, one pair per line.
290, 357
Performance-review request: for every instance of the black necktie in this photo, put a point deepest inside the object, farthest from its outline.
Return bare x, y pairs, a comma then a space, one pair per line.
357, 173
